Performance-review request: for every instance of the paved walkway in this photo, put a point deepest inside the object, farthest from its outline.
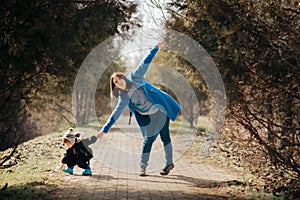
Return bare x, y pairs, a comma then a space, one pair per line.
115, 173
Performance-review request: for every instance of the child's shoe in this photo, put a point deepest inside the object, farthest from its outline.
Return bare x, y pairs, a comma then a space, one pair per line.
87, 172
68, 170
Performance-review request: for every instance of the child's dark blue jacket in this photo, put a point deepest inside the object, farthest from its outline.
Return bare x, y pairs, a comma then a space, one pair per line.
80, 153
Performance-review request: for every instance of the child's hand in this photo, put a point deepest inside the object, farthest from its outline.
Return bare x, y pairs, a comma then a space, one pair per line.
58, 167
100, 135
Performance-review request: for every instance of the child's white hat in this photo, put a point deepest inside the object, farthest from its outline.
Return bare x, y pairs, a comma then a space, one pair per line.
70, 136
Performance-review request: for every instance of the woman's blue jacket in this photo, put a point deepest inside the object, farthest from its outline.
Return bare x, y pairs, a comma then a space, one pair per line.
158, 97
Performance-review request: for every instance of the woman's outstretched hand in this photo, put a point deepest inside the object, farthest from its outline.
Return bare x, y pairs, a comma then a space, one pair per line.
100, 135
159, 44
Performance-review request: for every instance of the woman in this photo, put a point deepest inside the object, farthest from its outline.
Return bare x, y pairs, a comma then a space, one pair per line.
151, 107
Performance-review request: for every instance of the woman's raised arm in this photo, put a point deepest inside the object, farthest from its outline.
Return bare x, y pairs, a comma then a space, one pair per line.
142, 68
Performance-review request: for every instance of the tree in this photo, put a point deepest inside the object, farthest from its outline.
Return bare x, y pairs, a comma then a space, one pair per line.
42, 45
256, 47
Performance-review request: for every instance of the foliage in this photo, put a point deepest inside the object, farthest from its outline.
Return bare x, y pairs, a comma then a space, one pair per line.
255, 45
43, 44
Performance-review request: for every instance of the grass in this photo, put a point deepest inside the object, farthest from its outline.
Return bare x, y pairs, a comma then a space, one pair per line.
26, 174
181, 124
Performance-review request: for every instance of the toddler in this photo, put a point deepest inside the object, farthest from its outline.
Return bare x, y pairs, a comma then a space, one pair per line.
78, 152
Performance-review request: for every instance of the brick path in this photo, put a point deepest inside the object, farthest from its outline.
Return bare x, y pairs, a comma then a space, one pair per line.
115, 173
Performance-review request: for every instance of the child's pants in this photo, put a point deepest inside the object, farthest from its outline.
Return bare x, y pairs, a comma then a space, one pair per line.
71, 161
